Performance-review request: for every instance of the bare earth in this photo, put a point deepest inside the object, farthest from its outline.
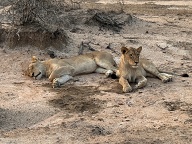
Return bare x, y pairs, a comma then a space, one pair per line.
93, 108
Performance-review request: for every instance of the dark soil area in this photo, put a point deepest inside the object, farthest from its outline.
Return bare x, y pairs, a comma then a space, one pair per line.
76, 99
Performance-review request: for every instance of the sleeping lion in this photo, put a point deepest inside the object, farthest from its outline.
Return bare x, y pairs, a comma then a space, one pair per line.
60, 71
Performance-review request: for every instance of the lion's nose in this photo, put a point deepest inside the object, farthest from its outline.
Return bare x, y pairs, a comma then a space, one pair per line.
136, 63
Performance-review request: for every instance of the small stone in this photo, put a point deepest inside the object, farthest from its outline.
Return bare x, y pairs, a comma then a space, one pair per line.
162, 45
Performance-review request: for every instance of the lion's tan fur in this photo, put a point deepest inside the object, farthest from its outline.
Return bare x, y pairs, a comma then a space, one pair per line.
134, 69
61, 70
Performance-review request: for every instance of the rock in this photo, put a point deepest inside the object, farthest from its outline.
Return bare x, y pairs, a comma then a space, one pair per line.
162, 45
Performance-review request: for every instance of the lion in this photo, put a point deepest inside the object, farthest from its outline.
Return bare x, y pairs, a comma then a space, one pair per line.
134, 69
59, 71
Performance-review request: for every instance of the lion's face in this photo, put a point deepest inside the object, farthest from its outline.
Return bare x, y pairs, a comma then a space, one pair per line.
131, 55
35, 68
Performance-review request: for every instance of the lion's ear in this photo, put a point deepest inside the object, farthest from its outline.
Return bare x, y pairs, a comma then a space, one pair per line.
139, 49
34, 59
124, 50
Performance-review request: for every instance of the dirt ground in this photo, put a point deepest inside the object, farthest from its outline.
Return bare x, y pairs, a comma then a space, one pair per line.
93, 109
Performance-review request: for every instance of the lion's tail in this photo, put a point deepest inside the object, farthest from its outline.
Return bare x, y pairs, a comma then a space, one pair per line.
173, 73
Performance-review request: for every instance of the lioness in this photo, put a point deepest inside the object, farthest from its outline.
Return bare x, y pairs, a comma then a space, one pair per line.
134, 69
60, 71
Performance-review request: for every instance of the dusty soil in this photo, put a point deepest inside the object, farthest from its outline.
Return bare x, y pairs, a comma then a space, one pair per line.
93, 109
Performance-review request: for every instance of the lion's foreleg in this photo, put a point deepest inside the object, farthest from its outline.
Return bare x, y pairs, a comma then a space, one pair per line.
126, 86
141, 82
64, 70
57, 82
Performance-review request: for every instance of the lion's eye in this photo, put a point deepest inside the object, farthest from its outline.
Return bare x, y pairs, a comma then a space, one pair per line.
131, 55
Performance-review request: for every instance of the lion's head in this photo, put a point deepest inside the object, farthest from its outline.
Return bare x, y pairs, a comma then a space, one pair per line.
36, 68
131, 55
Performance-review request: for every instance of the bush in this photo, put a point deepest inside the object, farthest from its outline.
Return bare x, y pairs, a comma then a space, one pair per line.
44, 12
37, 22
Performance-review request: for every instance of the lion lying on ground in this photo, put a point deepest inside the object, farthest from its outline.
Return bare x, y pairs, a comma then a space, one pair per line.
60, 71
134, 69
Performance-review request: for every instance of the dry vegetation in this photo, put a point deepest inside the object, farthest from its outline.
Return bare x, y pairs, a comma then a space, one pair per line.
36, 23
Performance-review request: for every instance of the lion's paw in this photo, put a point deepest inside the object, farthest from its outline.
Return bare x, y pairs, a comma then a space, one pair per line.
166, 79
56, 83
127, 89
109, 73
